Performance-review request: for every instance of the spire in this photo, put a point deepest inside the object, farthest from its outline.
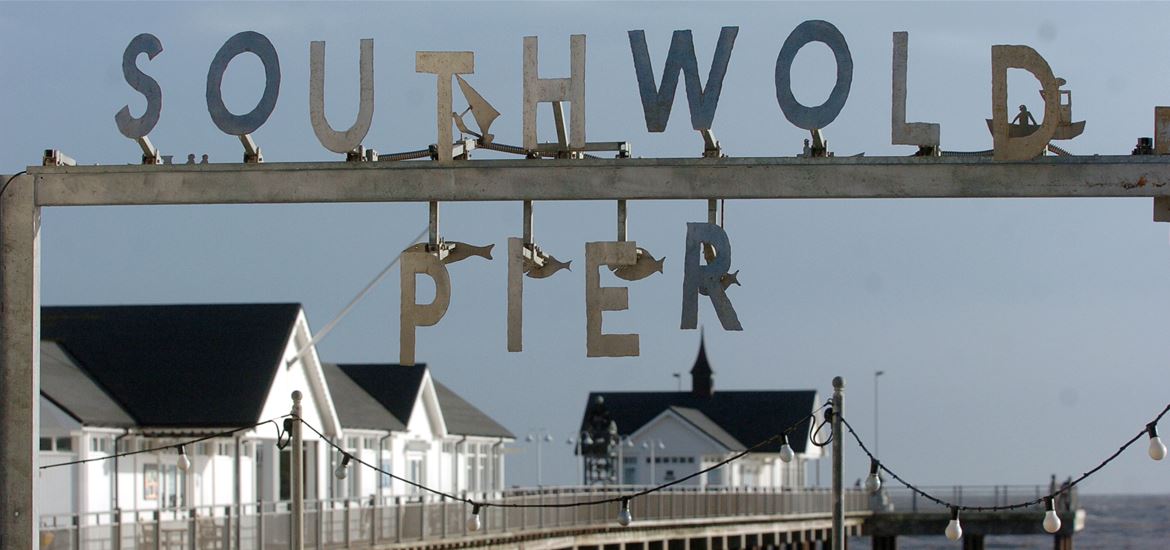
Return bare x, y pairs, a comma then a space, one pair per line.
702, 377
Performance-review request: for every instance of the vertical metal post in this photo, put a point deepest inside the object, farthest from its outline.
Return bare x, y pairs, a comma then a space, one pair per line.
621, 226
117, 527
297, 476
192, 530
20, 264
260, 525
157, 530
434, 222
397, 519
838, 448
227, 527
528, 228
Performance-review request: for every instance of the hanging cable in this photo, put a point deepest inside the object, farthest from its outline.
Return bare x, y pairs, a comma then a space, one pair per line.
178, 446
320, 335
1026, 504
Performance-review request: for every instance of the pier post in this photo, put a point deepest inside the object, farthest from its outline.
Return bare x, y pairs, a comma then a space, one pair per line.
838, 488
298, 476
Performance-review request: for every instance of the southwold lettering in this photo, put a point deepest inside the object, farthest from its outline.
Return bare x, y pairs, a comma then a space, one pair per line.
657, 96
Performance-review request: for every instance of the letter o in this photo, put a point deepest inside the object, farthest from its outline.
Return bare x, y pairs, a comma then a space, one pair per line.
811, 118
238, 125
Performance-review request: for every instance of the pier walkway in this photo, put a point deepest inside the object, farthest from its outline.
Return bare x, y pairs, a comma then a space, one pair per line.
681, 518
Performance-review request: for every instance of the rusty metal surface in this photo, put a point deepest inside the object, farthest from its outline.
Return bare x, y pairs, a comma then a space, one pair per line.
1004, 57
539, 90
599, 299
413, 314
902, 132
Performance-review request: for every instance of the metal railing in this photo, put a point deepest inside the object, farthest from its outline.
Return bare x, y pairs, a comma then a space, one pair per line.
901, 499
344, 523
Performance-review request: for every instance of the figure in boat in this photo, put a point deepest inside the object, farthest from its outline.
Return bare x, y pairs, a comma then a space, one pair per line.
1025, 124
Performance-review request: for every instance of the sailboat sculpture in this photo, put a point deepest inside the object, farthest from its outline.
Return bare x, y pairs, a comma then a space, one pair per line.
1065, 128
483, 112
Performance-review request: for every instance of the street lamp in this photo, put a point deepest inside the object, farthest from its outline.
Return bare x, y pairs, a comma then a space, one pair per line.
621, 465
652, 446
584, 440
540, 440
876, 446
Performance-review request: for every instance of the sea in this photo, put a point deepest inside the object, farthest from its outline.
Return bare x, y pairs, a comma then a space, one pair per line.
1114, 522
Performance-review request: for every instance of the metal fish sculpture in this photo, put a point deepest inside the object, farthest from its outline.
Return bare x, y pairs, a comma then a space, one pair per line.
460, 251
725, 280
551, 265
645, 266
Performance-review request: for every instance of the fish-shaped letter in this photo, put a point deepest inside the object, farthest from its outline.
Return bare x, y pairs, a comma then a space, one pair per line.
645, 266
461, 251
551, 265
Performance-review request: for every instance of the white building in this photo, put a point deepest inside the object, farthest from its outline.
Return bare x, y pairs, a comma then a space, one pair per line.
658, 437
118, 379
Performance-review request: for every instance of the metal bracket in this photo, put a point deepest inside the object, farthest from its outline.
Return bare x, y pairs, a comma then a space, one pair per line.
819, 148
53, 157
149, 152
621, 220
361, 154
252, 153
711, 147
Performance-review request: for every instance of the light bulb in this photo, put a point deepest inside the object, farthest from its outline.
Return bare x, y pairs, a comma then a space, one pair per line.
873, 481
184, 462
954, 530
1157, 448
1051, 520
342, 469
624, 515
786, 453
473, 523
587, 440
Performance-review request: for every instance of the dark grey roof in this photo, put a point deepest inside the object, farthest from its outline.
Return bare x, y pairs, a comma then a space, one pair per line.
709, 427
463, 418
747, 416
357, 409
65, 384
395, 387
205, 365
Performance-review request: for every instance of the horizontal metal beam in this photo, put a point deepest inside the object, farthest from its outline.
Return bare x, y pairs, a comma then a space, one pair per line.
604, 179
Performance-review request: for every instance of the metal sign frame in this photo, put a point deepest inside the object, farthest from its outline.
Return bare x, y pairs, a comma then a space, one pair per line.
481, 180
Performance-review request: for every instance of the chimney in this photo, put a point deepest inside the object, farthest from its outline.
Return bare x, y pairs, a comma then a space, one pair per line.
702, 378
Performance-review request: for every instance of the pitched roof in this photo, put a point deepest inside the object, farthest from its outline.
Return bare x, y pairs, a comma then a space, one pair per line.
748, 417
708, 427
395, 387
205, 365
463, 418
356, 408
68, 386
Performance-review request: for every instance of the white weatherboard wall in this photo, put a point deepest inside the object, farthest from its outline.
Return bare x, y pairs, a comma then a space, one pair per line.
681, 439
422, 441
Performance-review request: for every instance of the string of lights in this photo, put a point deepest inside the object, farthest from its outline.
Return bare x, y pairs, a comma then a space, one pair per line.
184, 462
624, 516
954, 530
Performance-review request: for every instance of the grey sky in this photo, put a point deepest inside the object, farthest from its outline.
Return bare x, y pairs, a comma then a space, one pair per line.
1019, 338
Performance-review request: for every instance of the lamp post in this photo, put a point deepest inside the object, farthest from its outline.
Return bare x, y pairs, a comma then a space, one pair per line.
652, 446
540, 440
876, 439
621, 465
580, 442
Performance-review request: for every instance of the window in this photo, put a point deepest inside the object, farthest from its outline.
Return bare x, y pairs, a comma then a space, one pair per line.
448, 447
65, 444
383, 479
415, 472
371, 443
46, 443
351, 443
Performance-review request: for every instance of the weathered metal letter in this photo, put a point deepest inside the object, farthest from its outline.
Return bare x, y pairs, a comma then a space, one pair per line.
813, 118
599, 299
418, 315
238, 125
1033, 145
707, 277
446, 65
901, 132
570, 89
341, 142
131, 127
656, 103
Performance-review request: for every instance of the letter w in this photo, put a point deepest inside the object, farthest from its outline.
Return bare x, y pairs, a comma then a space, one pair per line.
657, 102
